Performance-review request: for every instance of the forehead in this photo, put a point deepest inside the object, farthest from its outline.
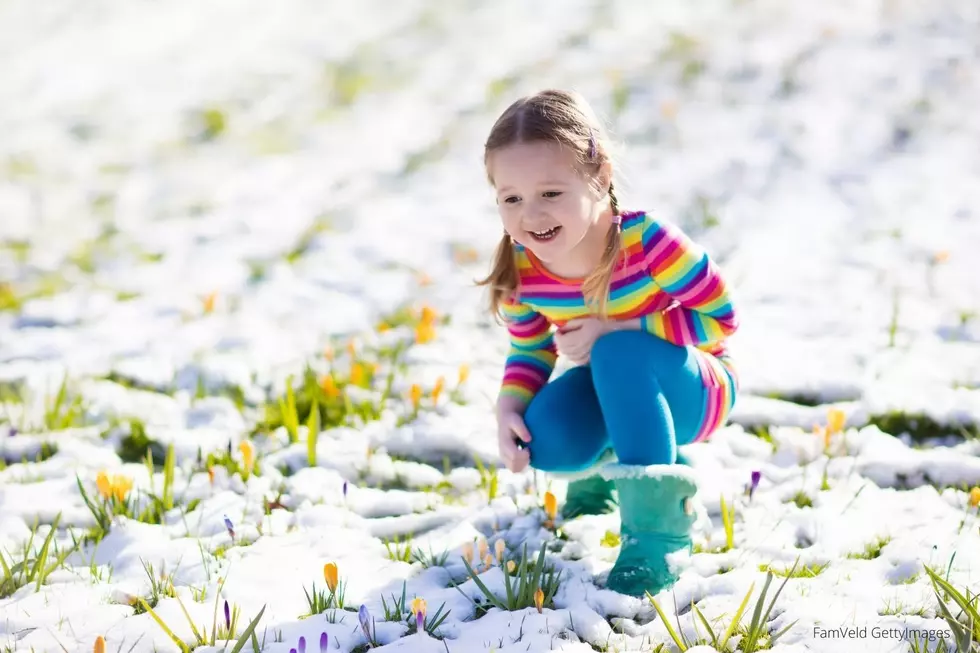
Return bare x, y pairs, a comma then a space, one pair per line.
523, 164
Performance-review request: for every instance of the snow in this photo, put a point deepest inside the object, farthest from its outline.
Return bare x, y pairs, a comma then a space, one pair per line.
305, 169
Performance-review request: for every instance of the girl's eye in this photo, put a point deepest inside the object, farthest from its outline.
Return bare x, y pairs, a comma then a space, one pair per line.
510, 200
552, 193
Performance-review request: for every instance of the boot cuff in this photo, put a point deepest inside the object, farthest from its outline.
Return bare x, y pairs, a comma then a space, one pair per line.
614, 471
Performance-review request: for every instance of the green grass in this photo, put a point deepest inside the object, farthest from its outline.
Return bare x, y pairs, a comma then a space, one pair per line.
802, 500
806, 571
871, 550
30, 565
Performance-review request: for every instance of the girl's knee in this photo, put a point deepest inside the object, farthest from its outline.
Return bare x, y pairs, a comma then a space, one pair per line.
637, 347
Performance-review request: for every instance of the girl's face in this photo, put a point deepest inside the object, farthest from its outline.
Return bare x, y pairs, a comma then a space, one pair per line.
546, 203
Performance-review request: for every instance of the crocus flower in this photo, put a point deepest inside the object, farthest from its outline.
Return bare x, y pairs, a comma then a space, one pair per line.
424, 332
550, 505
500, 546
13, 431
356, 374
330, 575
754, 483
121, 485
484, 548
208, 302
292, 650
227, 616
302, 645
437, 390
99, 645
211, 475
835, 420
364, 617
345, 489
329, 386
464, 373
511, 566
324, 640
418, 609
230, 527
415, 394
538, 599
428, 315
974, 497
103, 485
248, 454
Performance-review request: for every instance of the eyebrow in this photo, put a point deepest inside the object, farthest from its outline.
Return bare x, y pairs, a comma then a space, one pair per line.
543, 183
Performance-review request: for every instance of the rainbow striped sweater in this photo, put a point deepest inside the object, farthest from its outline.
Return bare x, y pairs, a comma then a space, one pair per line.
665, 279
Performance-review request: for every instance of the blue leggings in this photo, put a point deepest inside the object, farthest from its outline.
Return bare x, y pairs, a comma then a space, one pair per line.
640, 395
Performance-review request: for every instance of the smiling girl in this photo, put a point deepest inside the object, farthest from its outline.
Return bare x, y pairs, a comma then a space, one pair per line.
641, 311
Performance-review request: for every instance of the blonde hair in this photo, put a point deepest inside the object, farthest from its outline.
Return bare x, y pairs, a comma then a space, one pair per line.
563, 117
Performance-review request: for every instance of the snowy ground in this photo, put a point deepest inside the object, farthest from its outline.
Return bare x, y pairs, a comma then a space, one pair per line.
198, 200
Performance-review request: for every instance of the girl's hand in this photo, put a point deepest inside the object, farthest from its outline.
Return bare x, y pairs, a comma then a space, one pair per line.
510, 429
576, 338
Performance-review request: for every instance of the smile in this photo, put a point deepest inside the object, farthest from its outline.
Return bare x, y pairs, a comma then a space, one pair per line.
545, 235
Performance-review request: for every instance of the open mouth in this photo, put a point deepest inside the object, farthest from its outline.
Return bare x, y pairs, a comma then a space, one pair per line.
543, 236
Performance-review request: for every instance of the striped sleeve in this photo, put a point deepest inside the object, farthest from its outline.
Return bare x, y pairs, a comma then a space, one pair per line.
532, 355
702, 312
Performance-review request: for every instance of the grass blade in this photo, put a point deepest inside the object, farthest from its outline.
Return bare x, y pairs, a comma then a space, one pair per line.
681, 643
166, 629
240, 644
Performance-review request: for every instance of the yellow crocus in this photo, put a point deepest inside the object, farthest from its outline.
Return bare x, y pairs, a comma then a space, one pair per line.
416, 395
248, 454
121, 485
437, 390
418, 606
329, 386
103, 485
211, 475
99, 645
538, 599
468, 552
429, 315
500, 547
356, 374
464, 373
424, 332
975, 497
550, 505
484, 548
330, 576
511, 566
209, 302
836, 420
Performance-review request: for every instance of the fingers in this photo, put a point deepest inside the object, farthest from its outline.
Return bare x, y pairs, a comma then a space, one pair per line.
520, 429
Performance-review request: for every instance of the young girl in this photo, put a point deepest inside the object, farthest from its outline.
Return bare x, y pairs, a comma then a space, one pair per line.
639, 309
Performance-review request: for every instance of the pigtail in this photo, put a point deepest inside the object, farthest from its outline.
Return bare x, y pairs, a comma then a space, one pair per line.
597, 286
503, 277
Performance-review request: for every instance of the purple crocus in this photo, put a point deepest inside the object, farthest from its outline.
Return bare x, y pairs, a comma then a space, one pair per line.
302, 644
324, 640
227, 617
292, 650
13, 431
365, 618
756, 477
345, 490
230, 527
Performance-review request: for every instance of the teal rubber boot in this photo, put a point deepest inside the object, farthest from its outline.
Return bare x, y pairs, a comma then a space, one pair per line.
589, 496
658, 510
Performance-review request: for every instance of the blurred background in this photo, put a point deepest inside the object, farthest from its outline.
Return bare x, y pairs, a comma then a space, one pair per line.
206, 193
